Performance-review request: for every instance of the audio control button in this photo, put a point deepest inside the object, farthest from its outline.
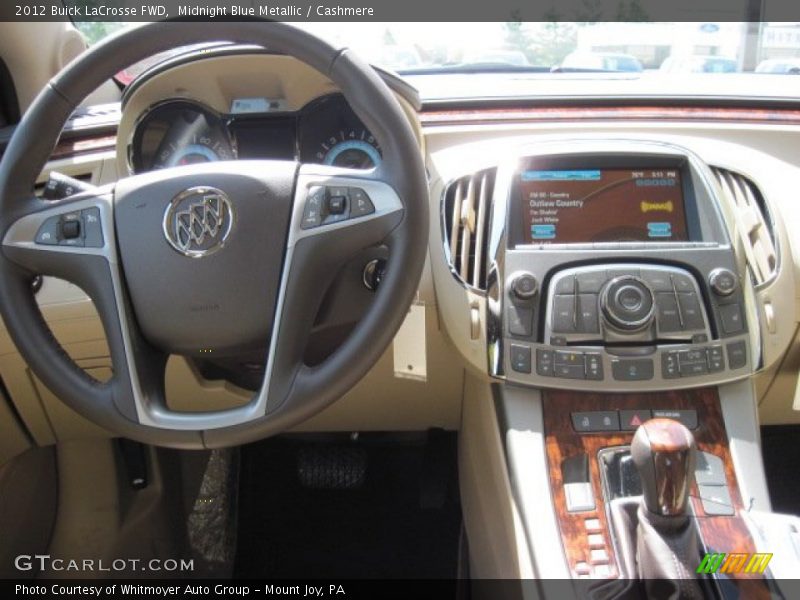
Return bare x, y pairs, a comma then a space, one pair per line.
524, 286
682, 283
691, 311
627, 303
563, 314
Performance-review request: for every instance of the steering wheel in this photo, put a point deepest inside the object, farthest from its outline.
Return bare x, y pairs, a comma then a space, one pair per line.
220, 258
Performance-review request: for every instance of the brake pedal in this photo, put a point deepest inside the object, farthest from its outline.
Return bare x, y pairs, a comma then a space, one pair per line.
331, 466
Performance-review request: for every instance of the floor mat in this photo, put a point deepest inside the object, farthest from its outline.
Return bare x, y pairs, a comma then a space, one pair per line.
782, 465
377, 530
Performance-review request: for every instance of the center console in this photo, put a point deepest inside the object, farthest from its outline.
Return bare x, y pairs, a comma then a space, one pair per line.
615, 269
616, 310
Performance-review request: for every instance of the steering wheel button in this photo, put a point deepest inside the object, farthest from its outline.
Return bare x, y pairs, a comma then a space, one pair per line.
71, 230
48, 232
337, 205
360, 203
312, 213
92, 229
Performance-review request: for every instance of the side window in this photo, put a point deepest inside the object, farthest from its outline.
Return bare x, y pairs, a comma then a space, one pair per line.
9, 107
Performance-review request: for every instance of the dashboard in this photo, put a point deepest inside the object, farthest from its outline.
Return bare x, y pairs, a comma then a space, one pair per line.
178, 132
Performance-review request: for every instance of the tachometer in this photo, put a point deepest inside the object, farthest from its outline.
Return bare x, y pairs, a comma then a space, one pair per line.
352, 149
179, 133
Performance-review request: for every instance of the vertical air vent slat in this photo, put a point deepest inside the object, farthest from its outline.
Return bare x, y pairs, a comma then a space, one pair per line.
753, 221
466, 220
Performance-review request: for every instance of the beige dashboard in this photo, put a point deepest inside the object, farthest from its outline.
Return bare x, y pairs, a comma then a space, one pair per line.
453, 338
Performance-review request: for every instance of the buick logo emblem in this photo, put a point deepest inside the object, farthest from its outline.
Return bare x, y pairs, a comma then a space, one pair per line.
198, 221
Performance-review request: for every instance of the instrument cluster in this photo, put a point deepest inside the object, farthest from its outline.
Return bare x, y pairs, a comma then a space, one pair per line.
182, 131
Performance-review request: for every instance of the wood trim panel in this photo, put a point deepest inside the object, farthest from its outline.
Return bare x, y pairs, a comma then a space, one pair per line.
83, 145
779, 116
720, 533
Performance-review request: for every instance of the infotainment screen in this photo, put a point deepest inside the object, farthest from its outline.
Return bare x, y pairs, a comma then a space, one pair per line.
602, 205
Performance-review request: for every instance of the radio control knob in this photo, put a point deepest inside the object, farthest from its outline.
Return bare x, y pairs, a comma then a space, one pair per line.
722, 281
627, 303
524, 286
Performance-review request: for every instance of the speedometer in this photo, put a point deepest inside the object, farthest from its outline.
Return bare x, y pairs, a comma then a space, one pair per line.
330, 133
352, 149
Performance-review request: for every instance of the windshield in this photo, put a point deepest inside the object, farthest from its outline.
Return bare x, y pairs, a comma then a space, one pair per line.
612, 47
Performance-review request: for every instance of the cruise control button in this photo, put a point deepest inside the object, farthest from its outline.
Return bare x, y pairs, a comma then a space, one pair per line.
691, 311
633, 369
48, 232
563, 314
520, 358
360, 203
731, 315
312, 213
687, 417
737, 355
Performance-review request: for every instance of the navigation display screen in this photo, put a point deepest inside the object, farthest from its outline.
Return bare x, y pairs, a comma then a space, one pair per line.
603, 205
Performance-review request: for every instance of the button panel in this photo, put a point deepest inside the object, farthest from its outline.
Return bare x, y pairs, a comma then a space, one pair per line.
573, 345
629, 420
79, 228
330, 204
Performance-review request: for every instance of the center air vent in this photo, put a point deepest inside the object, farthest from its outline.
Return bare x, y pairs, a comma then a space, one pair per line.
754, 222
467, 211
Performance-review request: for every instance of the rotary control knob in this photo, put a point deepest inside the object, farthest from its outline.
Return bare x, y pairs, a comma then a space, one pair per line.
627, 303
722, 281
524, 286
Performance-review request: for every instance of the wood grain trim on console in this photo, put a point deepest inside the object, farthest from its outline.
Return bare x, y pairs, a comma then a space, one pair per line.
779, 116
720, 533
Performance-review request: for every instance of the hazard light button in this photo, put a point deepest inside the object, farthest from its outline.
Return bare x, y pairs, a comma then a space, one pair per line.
631, 419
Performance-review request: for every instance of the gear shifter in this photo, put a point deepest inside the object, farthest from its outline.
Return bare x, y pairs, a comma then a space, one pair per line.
664, 453
667, 547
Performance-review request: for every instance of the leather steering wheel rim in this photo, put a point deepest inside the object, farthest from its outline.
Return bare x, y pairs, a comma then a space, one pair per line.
131, 404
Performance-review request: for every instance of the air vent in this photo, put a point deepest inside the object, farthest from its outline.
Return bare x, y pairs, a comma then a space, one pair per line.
467, 211
754, 222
